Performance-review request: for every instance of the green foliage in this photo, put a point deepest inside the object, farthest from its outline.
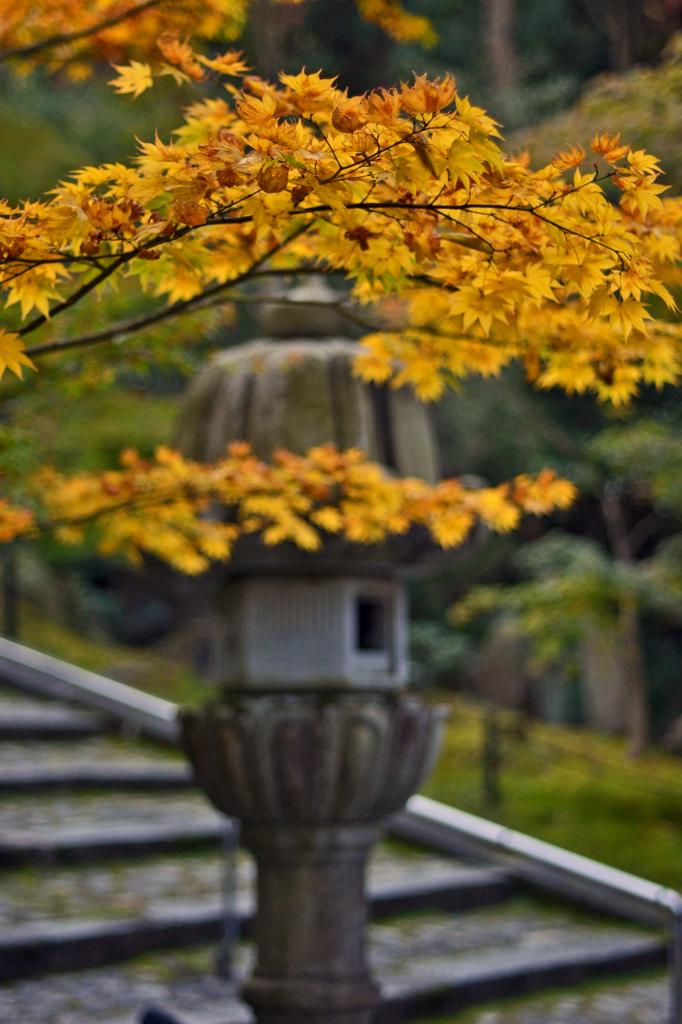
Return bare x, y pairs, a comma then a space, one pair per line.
573, 580
33, 156
99, 426
49, 127
573, 788
645, 104
569, 580
152, 670
491, 429
440, 653
645, 458
18, 454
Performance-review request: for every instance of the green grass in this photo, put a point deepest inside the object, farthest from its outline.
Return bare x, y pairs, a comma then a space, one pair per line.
573, 788
148, 668
98, 427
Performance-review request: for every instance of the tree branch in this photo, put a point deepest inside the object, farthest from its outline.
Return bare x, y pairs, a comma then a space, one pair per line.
81, 292
199, 302
138, 323
71, 37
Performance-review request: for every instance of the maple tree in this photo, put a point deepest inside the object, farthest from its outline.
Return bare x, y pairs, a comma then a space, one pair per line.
462, 259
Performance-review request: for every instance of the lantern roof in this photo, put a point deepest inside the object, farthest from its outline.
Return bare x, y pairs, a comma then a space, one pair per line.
307, 312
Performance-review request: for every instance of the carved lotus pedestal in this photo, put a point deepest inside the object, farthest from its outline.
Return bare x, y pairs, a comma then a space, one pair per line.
311, 776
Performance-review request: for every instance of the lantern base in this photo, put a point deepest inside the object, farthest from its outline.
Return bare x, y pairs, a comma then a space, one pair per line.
311, 923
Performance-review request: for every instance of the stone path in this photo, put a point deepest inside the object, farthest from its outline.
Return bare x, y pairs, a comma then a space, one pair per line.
419, 951
638, 1002
184, 982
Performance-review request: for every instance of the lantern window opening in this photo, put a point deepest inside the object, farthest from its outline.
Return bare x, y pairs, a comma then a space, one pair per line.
372, 624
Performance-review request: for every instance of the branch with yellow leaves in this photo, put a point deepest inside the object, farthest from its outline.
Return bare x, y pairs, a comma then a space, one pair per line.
404, 192
61, 38
167, 507
75, 34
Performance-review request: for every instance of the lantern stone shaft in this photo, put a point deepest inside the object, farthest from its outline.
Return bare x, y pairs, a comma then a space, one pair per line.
314, 741
311, 777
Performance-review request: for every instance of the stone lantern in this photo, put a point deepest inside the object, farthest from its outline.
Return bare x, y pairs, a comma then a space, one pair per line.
314, 741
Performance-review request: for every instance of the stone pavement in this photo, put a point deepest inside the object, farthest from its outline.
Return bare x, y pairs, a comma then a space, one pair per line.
183, 983
635, 1002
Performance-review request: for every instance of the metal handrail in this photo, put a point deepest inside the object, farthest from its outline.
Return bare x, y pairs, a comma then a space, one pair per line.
551, 868
40, 673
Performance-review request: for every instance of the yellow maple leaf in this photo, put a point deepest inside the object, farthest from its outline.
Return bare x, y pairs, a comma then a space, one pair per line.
572, 157
257, 112
643, 163
463, 163
132, 78
642, 197
12, 355
400, 24
312, 86
609, 147
228, 63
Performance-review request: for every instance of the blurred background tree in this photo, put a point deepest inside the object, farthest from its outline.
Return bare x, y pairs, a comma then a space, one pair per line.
582, 602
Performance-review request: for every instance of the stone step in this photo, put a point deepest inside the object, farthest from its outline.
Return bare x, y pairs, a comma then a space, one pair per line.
140, 887
153, 776
50, 723
42, 946
483, 979
100, 750
64, 828
464, 960
69, 846
48, 946
506, 973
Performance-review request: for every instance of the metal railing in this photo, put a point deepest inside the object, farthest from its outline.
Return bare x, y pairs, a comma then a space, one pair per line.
40, 673
548, 867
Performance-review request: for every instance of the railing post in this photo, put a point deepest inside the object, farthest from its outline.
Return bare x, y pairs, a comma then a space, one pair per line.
491, 758
676, 971
224, 961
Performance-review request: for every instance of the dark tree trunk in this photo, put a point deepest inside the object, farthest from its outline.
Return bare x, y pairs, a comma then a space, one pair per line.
628, 626
10, 595
621, 23
498, 34
635, 30
491, 759
271, 23
635, 679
